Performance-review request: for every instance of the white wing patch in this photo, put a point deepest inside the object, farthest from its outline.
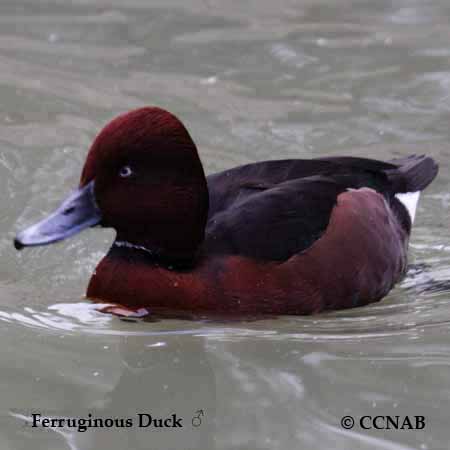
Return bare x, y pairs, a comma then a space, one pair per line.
410, 200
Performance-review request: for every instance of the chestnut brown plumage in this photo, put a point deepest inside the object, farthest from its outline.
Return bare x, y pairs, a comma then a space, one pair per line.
275, 237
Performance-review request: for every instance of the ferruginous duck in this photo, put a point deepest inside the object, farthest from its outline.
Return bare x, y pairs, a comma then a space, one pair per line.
274, 237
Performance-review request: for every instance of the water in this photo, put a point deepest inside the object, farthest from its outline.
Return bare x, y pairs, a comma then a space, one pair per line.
251, 80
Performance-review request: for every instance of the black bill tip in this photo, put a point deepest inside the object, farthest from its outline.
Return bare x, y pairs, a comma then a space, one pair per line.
18, 245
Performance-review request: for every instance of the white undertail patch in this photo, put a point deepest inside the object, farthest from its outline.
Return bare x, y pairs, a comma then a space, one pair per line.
409, 201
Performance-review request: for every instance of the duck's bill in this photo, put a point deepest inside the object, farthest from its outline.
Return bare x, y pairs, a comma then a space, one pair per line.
77, 212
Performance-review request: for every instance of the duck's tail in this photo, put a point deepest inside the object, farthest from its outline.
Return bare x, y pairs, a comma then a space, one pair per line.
412, 175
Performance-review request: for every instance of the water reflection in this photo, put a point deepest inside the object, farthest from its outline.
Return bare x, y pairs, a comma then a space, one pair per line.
160, 378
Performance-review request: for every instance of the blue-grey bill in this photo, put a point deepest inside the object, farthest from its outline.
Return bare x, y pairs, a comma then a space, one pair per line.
77, 212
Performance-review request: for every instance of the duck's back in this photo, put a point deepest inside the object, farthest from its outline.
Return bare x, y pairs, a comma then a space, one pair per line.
275, 209
229, 186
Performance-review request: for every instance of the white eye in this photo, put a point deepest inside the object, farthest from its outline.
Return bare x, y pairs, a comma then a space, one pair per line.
125, 171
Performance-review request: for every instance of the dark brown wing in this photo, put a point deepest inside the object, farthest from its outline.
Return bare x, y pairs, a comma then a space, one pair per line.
274, 223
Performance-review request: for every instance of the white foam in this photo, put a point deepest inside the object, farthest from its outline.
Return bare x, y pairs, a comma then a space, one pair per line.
410, 201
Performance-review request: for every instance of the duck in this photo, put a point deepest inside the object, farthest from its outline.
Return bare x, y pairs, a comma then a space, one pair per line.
277, 237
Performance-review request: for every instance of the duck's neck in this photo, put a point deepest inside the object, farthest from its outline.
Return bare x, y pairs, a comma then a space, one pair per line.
151, 256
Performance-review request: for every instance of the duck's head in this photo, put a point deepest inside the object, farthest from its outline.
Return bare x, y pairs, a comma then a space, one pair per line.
143, 177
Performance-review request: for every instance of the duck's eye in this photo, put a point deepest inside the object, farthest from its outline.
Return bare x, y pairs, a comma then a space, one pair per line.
125, 172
